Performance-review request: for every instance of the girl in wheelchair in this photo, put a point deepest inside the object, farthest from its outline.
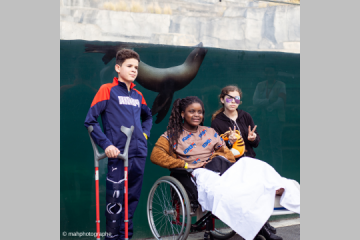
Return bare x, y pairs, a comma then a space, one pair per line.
241, 194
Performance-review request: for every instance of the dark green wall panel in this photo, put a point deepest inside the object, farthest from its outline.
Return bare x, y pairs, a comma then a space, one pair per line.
81, 75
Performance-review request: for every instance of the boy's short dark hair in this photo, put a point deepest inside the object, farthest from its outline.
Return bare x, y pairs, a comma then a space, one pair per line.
124, 54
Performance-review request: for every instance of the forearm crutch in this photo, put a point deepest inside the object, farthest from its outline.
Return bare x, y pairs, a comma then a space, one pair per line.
97, 157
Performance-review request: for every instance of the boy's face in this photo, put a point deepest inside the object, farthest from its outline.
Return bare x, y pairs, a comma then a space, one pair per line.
128, 70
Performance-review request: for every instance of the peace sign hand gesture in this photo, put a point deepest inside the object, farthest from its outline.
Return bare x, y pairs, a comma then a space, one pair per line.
252, 134
232, 136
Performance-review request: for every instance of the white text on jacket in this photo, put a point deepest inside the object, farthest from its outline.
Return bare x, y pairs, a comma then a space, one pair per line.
128, 101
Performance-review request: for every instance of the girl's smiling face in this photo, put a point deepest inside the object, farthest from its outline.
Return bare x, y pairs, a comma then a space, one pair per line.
193, 116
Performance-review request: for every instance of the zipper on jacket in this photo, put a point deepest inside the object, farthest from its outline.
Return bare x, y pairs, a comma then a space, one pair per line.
236, 126
132, 114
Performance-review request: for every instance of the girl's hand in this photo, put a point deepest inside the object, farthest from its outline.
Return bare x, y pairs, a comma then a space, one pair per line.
232, 136
252, 134
197, 165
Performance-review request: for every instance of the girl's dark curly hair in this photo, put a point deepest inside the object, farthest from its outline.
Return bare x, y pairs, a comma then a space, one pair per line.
175, 126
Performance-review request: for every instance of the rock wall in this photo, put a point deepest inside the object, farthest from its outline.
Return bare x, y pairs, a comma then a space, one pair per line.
231, 25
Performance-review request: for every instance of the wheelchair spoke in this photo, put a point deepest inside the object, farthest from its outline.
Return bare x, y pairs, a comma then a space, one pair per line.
157, 213
176, 228
161, 227
171, 225
158, 210
163, 221
160, 203
160, 198
165, 197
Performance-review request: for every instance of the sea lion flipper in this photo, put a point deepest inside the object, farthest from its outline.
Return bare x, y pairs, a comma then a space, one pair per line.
159, 102
109, 55
161, 105
162, 113
109, 50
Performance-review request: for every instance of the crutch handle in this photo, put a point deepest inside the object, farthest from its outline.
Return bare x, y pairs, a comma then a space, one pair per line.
128, 132
97, 155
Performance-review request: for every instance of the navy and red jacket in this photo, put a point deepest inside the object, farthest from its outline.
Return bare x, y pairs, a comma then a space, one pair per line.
120, 107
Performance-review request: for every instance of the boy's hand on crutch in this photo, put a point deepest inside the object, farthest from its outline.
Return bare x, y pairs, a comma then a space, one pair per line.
112, 151
252, 134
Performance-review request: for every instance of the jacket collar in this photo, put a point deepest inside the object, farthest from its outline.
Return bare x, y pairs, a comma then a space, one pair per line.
116, 81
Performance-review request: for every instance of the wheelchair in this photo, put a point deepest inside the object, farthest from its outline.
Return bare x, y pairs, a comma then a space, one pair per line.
170, 213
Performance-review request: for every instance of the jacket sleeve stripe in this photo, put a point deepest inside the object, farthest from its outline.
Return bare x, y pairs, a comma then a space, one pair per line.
142, 97
103, 93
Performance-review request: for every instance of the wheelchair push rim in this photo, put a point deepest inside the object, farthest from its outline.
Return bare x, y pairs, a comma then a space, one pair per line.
168, 210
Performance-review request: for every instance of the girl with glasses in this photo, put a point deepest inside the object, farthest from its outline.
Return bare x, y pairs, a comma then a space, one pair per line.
236, 124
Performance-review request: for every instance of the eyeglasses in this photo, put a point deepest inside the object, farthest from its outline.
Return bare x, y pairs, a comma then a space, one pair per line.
230, 99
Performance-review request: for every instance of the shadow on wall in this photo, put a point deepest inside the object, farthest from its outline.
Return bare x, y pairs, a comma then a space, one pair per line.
270, 98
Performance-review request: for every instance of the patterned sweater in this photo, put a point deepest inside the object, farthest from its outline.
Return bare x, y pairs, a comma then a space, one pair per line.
193, 146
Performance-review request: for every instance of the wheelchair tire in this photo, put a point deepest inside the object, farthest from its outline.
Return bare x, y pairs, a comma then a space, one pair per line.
222, 231
168, 210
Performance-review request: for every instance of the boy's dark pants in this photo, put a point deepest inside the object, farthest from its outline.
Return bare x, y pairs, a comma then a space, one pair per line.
115, 194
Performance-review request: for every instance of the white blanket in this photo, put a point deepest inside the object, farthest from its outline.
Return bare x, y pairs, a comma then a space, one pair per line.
243, 197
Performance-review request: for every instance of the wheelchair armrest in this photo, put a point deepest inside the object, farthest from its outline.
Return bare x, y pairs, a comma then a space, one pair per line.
181, 170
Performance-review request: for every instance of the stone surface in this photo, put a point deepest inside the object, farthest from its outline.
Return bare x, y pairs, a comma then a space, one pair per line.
291, 45
173, 39
210, 41
80, 31
235, 12
228, 24
266, 43
254, 26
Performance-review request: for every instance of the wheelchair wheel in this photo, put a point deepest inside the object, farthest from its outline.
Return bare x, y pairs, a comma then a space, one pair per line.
222, 231
168, 210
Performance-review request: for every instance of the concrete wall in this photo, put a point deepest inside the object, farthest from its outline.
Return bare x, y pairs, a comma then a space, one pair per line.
238, 25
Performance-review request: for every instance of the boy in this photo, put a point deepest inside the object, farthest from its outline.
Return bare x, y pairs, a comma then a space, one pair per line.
119, 103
